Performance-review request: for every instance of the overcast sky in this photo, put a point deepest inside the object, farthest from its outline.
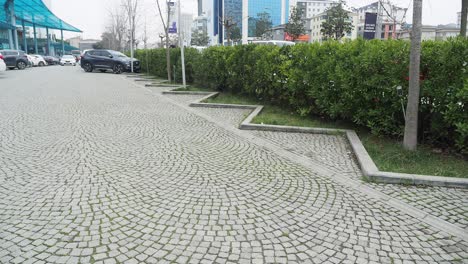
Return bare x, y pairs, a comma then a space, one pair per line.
91, 15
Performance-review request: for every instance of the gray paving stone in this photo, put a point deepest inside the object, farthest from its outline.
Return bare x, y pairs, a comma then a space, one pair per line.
107, 171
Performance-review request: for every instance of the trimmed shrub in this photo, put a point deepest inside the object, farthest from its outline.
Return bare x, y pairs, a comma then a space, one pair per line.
354, 81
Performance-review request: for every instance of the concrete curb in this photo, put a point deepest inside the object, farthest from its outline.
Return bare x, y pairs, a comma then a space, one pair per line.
144, 80
135, 75
184, 92
367, 165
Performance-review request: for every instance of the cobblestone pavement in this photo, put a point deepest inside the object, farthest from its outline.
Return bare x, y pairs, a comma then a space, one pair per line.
331, 150
449, 204
94, 169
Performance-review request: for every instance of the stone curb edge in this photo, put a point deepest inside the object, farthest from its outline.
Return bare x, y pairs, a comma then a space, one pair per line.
367, 165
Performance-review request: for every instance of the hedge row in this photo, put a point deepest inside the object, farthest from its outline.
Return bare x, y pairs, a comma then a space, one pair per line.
352, 81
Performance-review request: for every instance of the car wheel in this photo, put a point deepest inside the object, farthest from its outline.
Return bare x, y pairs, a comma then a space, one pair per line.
41, 64
21, 65
118, 68
88, 67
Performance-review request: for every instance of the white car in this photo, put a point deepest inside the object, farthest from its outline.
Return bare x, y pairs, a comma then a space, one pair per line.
30, 60
279, 43
68, 59
38, 60
2, 64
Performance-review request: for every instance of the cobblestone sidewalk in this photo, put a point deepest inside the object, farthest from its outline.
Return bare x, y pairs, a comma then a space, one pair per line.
94, 169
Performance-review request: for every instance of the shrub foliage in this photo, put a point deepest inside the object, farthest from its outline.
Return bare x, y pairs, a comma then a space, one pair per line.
352, 81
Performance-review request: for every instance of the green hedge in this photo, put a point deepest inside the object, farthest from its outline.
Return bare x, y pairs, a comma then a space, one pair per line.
352, 81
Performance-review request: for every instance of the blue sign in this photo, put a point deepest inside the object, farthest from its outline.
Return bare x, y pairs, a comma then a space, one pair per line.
173, 28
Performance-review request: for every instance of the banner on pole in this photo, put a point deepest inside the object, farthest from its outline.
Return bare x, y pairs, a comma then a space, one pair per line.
172, 18
173, 27
370, 24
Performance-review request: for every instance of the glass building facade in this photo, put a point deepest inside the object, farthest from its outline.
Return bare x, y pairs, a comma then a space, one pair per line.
231, 11
19, 17
271, 9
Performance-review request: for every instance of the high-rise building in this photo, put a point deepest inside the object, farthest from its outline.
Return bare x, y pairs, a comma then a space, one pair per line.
200, 7
389, 19
275, 12
186, 21
316, 21
48, 3
312, 8
240, 17
200, 23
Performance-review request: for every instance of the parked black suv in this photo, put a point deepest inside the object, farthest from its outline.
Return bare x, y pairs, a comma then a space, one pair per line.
103, 60
15, 59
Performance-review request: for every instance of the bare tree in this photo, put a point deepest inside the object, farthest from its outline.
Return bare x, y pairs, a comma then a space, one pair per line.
166, 33
392, 13
131, 8
229, 24
116, 28
144, 37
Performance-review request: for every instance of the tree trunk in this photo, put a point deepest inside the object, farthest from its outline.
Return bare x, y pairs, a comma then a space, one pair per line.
410, 139
464, 13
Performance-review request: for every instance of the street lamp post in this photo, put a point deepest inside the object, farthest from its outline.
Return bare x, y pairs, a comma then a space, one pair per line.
131, 35
181, 44
161, 36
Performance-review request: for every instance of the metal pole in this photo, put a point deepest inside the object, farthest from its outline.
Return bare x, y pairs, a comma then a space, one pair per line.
25, 43
168, 53
48, 41
13, 23
464, 13
63, 43
245, 20
10, 31
10, 38
378, 26
181, 44
35, 39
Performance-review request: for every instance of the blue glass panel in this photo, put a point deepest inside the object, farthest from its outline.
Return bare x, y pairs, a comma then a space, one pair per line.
36, 12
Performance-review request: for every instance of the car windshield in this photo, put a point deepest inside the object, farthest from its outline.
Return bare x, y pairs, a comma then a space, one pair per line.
117, 54
68, 57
